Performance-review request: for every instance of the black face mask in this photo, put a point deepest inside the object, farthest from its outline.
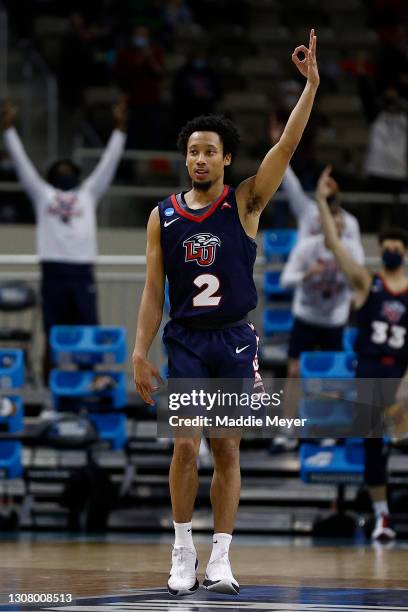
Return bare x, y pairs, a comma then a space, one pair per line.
65, 182
391, 259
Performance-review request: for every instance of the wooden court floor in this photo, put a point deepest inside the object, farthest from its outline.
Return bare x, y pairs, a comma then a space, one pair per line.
104, 568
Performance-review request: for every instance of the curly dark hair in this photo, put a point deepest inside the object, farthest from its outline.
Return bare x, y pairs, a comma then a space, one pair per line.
221, 125
393, 233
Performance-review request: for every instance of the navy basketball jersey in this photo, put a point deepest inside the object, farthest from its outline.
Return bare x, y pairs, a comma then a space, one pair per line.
208, 260
382, 323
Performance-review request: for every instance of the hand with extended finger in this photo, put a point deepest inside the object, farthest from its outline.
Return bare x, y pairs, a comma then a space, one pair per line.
308, 65
8, 115
326, 185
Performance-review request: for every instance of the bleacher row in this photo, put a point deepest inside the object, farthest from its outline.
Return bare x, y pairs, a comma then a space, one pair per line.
253, 63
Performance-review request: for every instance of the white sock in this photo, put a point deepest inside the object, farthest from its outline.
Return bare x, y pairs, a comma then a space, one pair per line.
183, 533
221, 544
381, 507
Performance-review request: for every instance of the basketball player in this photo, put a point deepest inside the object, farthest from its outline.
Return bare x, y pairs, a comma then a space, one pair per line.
381, 345
322, 299
204, 242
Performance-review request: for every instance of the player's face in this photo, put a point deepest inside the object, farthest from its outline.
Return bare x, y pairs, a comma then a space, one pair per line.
205, 159
392, 254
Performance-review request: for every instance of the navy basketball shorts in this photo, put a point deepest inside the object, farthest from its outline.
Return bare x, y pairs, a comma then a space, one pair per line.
212, 353
309, 337
374, 396
68, 295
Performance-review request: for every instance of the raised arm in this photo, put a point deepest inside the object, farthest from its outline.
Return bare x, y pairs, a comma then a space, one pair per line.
102, 176
150, 312
255, 193
357, 275
300, 204
30, 179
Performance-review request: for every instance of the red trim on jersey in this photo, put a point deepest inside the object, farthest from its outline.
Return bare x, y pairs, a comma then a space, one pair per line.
388, 288
199, 218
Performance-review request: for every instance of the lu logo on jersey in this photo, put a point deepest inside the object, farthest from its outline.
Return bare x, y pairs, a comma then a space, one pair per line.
201, 248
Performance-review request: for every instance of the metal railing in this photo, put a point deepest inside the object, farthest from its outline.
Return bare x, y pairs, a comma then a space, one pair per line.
159, 191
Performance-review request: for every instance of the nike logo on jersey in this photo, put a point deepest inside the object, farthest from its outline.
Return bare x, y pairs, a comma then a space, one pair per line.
239, 350
167, 223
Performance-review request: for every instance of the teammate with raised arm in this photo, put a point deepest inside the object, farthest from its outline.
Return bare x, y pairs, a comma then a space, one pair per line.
65, 211
381, 345
203, 241
304, 208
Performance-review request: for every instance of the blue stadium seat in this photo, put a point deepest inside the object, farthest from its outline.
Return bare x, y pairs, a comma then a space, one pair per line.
87, 345
349, 337
11, 368
329, 417
111, 428
78, 385
342, 464
277, 322
279, 243
11, 460
327, 364
272, 287
14, 422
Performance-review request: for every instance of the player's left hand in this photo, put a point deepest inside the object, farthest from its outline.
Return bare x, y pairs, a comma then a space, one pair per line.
120, 114
308, 65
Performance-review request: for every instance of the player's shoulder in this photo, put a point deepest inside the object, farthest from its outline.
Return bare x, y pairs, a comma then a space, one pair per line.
165, 207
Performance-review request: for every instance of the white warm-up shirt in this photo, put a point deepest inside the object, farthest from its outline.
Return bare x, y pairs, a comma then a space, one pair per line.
307, 214
66, 220
323, 299
387, 149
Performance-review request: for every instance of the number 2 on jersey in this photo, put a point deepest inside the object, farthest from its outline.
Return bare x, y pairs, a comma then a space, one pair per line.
393, 335
206, 297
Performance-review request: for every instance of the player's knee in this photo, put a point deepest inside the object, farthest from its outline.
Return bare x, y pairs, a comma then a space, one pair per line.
186, 450
225, 452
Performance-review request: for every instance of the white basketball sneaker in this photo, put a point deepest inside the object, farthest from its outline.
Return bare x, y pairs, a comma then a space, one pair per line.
382, 530
219, 577
182, 577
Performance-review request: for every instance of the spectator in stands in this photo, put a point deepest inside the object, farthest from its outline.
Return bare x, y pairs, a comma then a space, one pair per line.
386, 163
196, 88
176, 13
305, 210
75, 65
139, 70
66, 224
